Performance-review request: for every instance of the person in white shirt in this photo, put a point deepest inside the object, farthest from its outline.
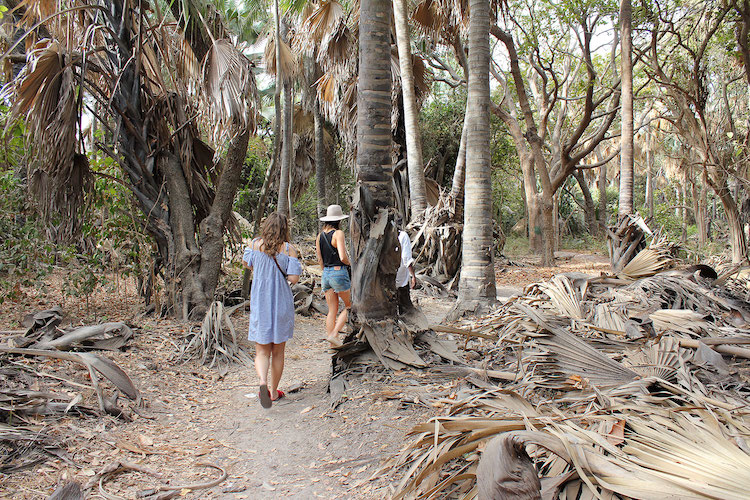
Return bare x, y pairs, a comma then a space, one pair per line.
406, 278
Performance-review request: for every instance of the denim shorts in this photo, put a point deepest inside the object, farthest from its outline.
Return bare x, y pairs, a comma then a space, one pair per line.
338, 279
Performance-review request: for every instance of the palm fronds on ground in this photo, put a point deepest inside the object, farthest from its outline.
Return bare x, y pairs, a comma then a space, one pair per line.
602, 414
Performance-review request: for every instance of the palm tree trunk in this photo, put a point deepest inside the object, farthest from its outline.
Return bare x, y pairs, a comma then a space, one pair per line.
626, 154
271, 172
736, 232
477, 282
602, 182
287, 148
283, 82
320, 156
374, 239
415, 166
459, 175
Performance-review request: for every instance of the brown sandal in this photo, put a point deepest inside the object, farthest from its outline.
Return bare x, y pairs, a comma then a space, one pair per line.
265, 396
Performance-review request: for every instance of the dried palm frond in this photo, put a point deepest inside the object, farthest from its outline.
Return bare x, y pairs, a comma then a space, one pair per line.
430, 17
97, 365
664, 454
647, 262
564, 296
288, 64
188, 67
322, 21
337, 46
327, 88
36, 10
25, 447
230, 85
609, 316
660, 359
152, 67
46, 98
566, 361
681, 321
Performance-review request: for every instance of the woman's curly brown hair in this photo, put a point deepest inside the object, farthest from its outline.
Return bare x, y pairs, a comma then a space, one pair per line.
275, 232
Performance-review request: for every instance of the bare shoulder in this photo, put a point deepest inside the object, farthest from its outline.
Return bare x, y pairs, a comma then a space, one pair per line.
293, 251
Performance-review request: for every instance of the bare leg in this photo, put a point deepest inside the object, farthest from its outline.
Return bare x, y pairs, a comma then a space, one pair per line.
332, 300
341, 320
262, 358
277, 368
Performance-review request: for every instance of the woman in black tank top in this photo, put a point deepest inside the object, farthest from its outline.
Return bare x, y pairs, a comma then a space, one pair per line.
330, 247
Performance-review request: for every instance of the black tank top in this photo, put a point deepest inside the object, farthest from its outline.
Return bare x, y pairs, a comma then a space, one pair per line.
327, 251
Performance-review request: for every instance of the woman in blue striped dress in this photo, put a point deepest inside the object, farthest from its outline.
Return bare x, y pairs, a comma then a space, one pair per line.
275, 265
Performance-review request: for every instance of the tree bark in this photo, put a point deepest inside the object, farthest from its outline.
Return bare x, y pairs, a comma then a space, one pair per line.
649, 181
320, 157
626, 140
184, 252
287, 149
701, 218
415, 163
374, 237
589, 215
602, 198
736, 231
272, 168
683, 211
459, 175
212, 227
477, 283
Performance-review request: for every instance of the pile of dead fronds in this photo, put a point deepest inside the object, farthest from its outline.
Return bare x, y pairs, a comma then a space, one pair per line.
633, 386
437, 244
41, 382
215, 344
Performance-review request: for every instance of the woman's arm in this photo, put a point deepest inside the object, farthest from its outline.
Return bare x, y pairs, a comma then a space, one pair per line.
317, 251
341, 246
293, 278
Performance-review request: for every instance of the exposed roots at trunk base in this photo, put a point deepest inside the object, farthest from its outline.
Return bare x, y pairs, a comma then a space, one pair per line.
474, 307
438, 240
216, 343
395, 344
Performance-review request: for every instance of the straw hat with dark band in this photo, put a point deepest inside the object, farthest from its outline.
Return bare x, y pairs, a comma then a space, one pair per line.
334, 213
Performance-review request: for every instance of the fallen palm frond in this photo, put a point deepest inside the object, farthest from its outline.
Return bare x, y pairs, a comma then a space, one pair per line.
629, 452
564, 297
682, 321
661, 359
647, 262
216, 343
566, 361
43, 333
24, 447
98, 366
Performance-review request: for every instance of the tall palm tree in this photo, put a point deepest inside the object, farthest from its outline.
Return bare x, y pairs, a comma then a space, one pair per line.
626, 153
374, 237
415, 167
477, 271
